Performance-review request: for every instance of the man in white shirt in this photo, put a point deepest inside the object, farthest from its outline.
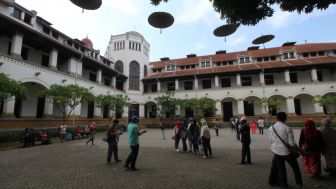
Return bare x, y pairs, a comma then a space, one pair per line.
278, 175
261, 125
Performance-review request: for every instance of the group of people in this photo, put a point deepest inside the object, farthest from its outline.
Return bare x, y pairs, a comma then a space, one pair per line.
317, 148
87, 131
30, 136
196, 134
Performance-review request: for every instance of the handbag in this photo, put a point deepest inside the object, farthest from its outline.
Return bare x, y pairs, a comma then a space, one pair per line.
294, 151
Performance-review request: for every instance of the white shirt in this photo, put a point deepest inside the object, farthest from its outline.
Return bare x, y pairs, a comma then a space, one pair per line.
261, 123
286, 133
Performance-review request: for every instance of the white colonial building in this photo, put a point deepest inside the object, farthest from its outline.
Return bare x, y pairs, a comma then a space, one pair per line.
38, 55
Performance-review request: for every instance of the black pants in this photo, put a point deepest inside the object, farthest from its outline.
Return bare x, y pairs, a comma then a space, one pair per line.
177, 141
207, 147
112, 149
184, 143
261, 130
246, 153
91, 139
278, 175
194, 142
216, 131
132, 157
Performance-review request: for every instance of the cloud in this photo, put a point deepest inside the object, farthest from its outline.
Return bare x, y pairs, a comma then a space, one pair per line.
237, 41
193, 11
124, 6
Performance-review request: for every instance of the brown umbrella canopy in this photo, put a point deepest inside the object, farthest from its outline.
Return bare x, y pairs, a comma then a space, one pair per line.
88, 4
262, 39
225, 30
160, 20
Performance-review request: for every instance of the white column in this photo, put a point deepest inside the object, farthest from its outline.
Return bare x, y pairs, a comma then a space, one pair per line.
8, 109
314, 75
53, 59
216, 81
113, 82
219, 108
240, 108
238, 80
77, 110
318, 109
75, 67
158, 86
99, 76
178, 110
142, 110
290, 105
287, 78
16, 47
176, 84
48, 109
262, 78
97, 112
196, 83
125, 113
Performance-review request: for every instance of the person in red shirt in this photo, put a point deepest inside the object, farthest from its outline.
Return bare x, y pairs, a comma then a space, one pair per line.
92, 133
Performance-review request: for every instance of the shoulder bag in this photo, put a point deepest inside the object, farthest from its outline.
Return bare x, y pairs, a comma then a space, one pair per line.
294, 151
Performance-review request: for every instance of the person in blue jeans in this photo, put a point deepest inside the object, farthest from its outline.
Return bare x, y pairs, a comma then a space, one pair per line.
133, 141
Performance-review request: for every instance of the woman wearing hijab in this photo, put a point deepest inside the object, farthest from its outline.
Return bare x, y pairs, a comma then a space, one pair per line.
329, 153
311, 143
177, 134
205, 139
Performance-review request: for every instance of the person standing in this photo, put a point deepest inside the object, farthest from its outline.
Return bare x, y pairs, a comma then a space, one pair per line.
278, 176
237, 129
329, 153
205, 139
261, 125
93, 128
184, 135
194, 132
133, 141
216, 126
312, 144
177, 134
62, 131
112, 141
246, 141
162, 127
253, 126
233, 124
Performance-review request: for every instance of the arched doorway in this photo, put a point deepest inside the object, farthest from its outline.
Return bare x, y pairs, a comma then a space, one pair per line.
150, 110
230, 108
251, 108
281, 107
303, 104
133, 110
329, 109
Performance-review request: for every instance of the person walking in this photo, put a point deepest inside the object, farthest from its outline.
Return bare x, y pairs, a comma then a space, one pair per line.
112, 141
205, 139
278, 176
246, 141
162, 127
93, 128
329, 153
62, 131
177, 134
194, 133
133, 141
216, 127
261, 125
311, 143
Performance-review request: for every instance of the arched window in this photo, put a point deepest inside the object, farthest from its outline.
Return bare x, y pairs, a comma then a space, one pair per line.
134, 75
145, 70
119, 66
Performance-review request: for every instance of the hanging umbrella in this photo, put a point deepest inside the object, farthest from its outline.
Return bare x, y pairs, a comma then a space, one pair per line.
87, 4
225, 30
160, 20
263, 39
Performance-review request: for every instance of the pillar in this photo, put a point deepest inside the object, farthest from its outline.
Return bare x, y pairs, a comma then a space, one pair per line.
125, 113
314, 75
240, 108
77, 110
318, 109
97, 112
141, 110
196, 83
287, 77
48, 110
238, 80
113, 80
178, 110
8, 108
75, 67
158, 86
290, 105
53, 59
176, 84
99, 76
16, 47
262, 78
216, 81
219, 111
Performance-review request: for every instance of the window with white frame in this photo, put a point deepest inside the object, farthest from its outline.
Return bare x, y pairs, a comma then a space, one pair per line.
205, 63
170, 67
289, 55
245, 59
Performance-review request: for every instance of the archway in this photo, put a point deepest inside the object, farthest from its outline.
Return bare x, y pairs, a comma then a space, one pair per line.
303, 104
119, 66
329, 109
230, 108
282, 107
150, 110
250, 107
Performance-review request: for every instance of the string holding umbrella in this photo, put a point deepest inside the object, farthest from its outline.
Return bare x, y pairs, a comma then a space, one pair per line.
160, 20
225, 30
262, 39
87, 4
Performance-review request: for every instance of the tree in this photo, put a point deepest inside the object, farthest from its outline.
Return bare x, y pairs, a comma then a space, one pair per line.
329, 102
251, 12
10, 88
167, 104
201, 106
115, 103
67, 98
268, 104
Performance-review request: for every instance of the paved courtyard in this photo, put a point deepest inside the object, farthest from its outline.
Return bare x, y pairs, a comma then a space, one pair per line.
75, 165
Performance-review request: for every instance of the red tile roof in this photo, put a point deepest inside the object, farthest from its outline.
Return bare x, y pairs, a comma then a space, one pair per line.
276, 51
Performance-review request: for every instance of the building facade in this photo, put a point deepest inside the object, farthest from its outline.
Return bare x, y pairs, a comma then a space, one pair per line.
38, 55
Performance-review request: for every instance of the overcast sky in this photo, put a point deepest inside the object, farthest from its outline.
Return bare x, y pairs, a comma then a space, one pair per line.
192, 31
